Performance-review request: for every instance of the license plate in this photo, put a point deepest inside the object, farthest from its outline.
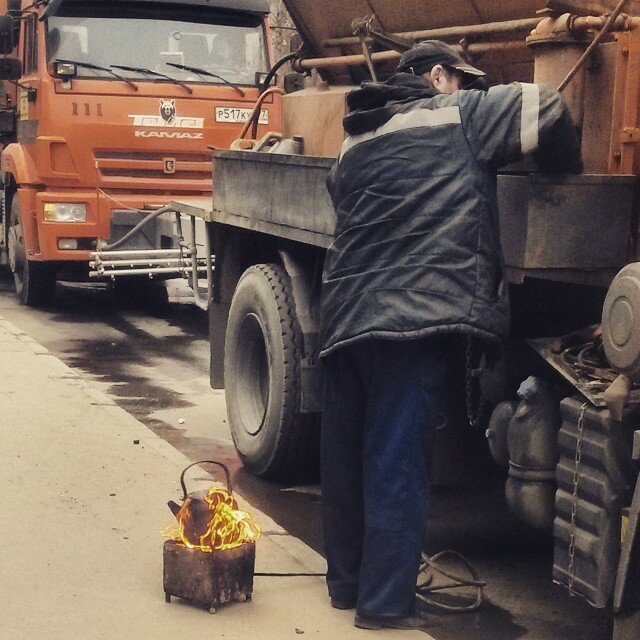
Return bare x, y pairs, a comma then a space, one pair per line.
239, 116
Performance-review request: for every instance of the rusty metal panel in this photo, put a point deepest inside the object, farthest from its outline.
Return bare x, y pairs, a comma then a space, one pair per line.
568, 228
598, 109
288, 195
318, 21
567, 225
209, 579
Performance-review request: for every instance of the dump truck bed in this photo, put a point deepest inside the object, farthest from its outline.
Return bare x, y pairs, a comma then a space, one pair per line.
567, 228
279, 195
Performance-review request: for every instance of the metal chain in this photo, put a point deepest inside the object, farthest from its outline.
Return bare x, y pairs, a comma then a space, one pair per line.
574, 501
473, 418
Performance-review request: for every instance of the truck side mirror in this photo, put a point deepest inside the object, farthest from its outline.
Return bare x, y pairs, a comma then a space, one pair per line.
10, 69
51, 9
14, 9
7, 40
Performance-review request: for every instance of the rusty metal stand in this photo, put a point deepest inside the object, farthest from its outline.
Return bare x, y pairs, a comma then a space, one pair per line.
209, 579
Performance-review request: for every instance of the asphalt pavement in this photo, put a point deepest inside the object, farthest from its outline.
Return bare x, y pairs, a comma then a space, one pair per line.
153, 364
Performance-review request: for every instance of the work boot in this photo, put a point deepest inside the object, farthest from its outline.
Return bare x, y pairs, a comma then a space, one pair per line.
343, 605
374, 623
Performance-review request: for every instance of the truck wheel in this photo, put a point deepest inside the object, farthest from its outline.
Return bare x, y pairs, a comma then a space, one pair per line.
262, 378
35, 283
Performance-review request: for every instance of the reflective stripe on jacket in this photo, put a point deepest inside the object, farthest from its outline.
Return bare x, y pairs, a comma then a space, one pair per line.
417, 247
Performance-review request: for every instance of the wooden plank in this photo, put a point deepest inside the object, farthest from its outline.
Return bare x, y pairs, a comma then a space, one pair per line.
198, 207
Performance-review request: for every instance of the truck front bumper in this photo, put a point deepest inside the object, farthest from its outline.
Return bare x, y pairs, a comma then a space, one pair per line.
101, 211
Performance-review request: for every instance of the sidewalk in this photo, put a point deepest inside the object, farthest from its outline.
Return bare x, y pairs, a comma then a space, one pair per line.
81, 553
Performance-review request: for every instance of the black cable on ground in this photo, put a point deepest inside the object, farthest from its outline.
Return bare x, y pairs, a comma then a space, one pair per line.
430, 566
291, 575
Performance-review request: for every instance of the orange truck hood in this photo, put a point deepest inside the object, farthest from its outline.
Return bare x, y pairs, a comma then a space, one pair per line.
102, 135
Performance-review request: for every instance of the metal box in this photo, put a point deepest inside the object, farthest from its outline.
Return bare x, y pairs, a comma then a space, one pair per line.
209, 579
282, 194
577, 228
568, 228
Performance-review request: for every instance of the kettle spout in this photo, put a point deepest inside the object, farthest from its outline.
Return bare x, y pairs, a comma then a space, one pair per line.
175, 507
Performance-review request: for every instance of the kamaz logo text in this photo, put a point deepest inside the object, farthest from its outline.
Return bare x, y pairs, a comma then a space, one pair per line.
177, 122
171, 135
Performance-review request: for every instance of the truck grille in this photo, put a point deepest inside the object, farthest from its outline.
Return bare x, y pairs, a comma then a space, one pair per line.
151, 168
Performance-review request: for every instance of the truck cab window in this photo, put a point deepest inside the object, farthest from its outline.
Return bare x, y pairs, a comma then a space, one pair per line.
228, 44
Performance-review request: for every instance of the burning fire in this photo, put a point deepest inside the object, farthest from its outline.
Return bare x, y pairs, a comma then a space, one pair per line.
212, 523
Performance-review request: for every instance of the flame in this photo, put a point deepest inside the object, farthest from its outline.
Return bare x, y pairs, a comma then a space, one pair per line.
226, 528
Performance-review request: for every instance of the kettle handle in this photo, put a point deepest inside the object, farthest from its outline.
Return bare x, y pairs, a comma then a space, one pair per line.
194, 464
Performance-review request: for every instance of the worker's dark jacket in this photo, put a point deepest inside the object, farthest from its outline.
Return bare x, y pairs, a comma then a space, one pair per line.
417, 248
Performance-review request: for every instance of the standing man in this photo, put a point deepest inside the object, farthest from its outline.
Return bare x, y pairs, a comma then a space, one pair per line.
416, 259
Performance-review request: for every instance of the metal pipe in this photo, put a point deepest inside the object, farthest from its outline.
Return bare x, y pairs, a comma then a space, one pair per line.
385, 56
596, 23
587, 7
488, 29
140, 272
134, 263
156, 253
210, 259
590, 49
255, 114
195, 269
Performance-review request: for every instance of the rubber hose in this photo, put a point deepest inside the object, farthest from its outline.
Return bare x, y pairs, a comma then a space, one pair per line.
276, 67
143, 223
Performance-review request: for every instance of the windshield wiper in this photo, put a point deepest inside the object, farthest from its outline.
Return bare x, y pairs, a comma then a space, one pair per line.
88, 65
204, 72
150, 72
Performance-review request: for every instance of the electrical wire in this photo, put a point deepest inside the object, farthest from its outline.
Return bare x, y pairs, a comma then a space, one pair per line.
120, 203
592, 47
291, 575
431, 566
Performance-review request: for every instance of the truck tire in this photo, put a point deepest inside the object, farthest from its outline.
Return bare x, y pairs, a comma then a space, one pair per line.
35, 283
262, 378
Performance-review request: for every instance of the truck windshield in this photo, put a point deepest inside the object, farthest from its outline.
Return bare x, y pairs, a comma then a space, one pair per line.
226, 44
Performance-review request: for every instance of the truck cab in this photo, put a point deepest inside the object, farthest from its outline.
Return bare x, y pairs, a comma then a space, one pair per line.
112, 115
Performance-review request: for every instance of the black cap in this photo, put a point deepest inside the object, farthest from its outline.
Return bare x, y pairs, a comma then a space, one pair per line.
422, 57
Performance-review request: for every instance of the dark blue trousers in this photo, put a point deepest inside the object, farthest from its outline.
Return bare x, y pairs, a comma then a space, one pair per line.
382, 400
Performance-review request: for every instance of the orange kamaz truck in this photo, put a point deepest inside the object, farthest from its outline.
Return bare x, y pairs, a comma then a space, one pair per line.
107, 113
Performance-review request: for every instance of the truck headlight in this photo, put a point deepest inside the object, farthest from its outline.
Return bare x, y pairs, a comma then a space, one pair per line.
65, 212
